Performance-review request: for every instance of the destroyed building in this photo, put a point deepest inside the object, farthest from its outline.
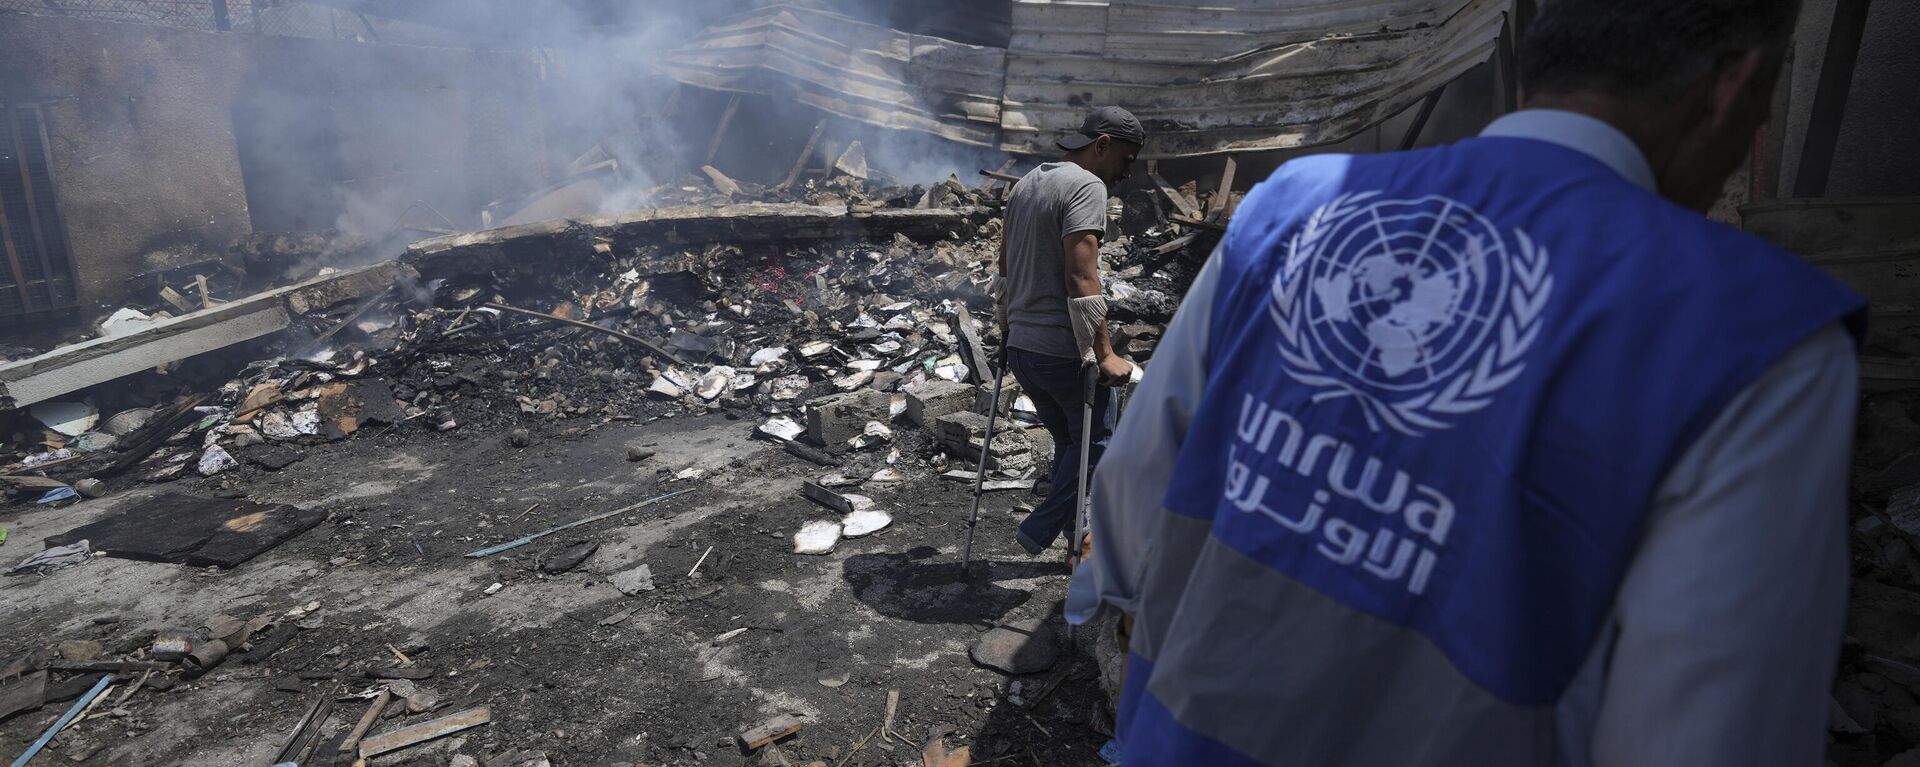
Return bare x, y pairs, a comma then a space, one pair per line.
580, 382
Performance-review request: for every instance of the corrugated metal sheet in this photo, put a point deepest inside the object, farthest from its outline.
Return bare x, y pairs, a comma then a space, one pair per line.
874, 74
1226, 75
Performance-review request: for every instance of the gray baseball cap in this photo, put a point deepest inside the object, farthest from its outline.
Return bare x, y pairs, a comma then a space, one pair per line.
1112, 121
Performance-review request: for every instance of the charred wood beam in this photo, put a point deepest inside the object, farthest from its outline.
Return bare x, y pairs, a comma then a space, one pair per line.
1830, 97
1412, 135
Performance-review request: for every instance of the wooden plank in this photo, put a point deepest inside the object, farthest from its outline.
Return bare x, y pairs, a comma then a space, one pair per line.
1186, 206
366, 722
779, 728
800, 163
720, 131
1197, 223
996, 177
425, 731
1830, 97
1218, 204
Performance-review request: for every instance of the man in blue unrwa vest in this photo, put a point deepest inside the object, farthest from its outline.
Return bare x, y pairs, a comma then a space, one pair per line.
1498, 453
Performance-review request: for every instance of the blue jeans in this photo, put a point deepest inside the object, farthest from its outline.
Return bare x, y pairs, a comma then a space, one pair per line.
1054, 385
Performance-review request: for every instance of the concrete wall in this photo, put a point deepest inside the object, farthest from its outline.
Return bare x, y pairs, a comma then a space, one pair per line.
1876, 154
141, 121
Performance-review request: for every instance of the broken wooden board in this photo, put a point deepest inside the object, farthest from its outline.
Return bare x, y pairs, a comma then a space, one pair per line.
779, 728
197, 532
77, 366
425, 731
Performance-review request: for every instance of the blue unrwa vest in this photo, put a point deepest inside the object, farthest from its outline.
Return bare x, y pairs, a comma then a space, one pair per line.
1443, 386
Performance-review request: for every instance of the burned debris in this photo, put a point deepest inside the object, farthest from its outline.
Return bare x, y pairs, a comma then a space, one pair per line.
842, 322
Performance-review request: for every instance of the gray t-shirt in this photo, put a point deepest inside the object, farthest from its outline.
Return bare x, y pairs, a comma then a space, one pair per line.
1046, 205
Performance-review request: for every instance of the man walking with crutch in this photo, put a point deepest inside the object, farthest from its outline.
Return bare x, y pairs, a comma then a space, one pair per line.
1053, 310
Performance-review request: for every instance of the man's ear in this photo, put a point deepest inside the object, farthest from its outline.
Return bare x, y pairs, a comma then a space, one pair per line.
1102, 144
1735, 78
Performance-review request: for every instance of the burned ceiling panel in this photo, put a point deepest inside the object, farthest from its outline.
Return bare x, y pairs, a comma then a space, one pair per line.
1234, 75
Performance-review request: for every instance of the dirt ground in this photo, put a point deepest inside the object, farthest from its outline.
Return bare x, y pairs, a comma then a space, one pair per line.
561, 670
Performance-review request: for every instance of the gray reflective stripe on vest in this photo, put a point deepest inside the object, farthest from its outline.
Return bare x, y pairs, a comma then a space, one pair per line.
1288, 676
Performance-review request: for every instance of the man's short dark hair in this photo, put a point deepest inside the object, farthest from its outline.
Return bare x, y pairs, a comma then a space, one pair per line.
1648, 48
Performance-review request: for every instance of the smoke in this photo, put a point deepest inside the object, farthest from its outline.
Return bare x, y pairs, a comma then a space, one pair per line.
466, 113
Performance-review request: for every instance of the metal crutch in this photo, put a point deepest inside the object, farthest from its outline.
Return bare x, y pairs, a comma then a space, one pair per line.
1082, 516
999, 374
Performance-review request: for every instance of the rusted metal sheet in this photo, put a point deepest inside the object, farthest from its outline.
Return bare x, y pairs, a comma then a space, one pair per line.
1203, 76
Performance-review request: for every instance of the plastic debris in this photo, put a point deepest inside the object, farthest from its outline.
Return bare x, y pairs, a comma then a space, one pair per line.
818, 537
55, 558
864, 522
59, 496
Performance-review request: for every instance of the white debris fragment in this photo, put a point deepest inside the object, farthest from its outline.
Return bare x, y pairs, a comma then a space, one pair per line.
817, 537
215, 460
1024, 404
865, 365
783, 427
743, 381
888, 474
69, 418
874, 434
277, 425
860, 502
635, 581
50, 456
955, 372
814, 349
691, 472
767, 355
715, 383
838, 480
896, 406
306, 421
671, 383
494, 589
888, 347
864, 522
854, 381
788, 388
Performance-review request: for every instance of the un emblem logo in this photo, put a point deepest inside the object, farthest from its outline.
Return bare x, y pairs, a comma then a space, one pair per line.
1418, 309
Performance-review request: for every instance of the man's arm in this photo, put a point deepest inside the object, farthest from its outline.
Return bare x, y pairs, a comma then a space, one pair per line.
1083, 281
1131, 481
1731, 614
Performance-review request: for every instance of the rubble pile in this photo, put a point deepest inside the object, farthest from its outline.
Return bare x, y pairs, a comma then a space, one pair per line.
828, 343
1876, 702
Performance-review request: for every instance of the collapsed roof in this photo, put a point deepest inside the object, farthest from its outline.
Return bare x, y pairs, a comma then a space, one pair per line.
1229, 76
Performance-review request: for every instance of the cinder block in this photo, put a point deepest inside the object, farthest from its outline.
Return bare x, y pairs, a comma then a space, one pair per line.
835, 418
929, 400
